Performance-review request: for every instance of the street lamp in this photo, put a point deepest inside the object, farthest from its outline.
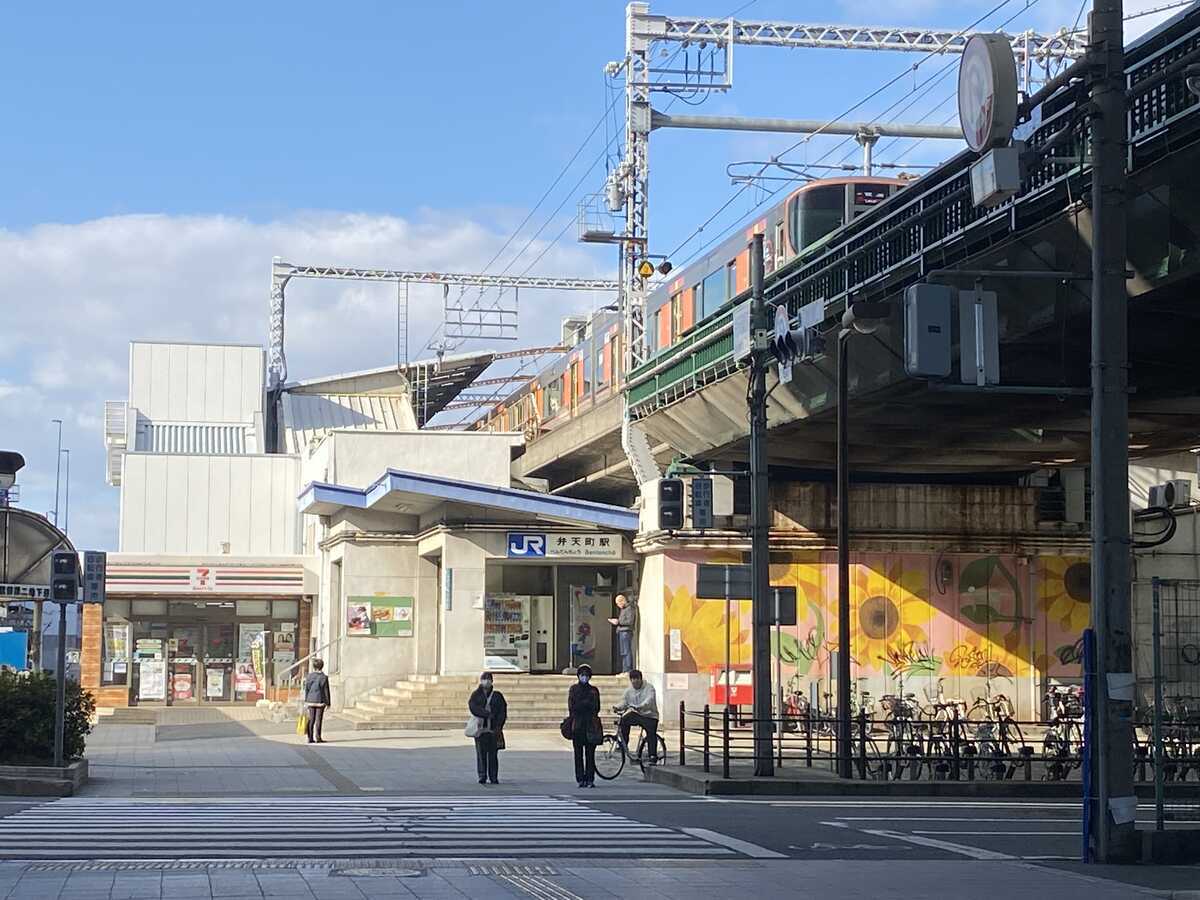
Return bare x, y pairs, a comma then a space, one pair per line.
859, 318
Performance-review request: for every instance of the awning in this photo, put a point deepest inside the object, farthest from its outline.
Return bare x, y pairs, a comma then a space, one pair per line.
409, 493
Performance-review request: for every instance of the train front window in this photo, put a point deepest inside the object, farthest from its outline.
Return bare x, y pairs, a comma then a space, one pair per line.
816, 213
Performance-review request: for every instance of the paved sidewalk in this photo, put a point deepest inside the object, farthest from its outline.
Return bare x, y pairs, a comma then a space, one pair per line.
131, 761
350, 880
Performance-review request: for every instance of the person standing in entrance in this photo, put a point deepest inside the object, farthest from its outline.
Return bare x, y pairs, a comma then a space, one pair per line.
583, 706
625, 621
316, 700
488, 705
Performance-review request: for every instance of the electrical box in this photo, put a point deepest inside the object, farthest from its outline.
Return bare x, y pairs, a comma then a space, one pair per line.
927, 330
996, 176
979, 338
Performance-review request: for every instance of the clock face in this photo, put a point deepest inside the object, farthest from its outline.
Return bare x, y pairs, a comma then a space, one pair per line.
987, 91
976, 95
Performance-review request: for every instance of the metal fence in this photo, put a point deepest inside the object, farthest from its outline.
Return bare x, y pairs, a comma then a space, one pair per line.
1173, 718
909, 742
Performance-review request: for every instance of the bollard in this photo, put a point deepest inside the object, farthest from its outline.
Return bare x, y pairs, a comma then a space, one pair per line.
808, 740
970, 753
956, 760
1027, 756
707, 719
682, 733
725, 742
862, 744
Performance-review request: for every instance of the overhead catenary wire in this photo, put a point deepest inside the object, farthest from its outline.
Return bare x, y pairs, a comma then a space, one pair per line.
804, 141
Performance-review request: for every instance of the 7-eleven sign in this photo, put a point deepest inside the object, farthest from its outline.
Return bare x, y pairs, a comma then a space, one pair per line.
203, 579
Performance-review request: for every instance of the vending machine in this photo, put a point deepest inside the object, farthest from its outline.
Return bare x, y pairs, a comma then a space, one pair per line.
542, 634
506, 632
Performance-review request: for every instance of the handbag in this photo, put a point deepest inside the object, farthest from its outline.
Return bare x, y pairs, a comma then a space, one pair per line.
595, 731
474, 727
302, 723
564, 728
500, 739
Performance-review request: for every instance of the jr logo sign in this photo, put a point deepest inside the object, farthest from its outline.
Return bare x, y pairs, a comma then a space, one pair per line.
526, 545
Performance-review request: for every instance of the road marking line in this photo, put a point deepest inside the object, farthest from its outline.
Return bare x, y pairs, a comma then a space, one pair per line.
962, 849
1007, 833
754, 851
836, 824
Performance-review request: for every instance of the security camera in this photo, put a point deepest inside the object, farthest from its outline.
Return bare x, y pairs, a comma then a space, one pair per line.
1191, 77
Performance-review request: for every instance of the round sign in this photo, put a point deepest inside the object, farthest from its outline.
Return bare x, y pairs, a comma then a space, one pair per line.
987, 91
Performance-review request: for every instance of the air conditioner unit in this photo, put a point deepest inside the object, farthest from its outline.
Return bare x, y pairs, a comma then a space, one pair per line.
1172, 494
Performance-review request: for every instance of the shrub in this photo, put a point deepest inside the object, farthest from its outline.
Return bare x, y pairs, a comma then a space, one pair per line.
27, 719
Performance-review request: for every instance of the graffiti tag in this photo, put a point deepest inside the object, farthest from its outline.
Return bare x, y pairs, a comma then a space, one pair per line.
909, 657
1070, 654
966, 657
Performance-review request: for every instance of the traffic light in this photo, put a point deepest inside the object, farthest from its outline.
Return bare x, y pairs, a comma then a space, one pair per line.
64, 576
670, 503
794, 344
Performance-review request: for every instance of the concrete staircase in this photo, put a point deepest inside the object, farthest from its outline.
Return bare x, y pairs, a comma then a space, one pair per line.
440, 701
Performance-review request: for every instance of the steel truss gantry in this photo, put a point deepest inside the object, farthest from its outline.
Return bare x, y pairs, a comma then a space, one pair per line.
631, 178
283, 272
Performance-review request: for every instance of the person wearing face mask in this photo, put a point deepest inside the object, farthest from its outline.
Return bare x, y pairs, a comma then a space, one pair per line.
583, 706
488, 705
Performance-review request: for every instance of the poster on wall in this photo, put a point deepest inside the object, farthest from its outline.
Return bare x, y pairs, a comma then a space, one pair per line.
358, 617
244, 681
283, 645
152, 680
181, 685
248, 633
590, 610
214, 683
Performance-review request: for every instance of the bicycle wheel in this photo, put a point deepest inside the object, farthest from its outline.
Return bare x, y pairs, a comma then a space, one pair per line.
610, 758
643, 753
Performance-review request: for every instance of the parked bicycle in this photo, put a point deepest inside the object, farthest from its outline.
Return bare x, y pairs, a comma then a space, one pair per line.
612, 753
1062, 746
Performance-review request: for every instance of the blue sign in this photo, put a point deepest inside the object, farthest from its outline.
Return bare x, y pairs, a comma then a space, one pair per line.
14, 649
524, 545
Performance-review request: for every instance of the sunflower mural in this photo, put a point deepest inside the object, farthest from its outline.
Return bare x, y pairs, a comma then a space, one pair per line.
1066, 599
701, 625
802, 647
891, 619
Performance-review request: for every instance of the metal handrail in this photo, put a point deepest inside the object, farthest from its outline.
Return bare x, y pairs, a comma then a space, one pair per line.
280, 675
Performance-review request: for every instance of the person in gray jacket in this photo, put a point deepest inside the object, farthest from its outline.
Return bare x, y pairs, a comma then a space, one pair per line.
625, 621
316, 700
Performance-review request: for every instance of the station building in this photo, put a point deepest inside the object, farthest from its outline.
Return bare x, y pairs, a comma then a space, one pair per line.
258, 532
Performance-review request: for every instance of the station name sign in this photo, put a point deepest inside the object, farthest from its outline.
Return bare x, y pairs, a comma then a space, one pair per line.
562, 545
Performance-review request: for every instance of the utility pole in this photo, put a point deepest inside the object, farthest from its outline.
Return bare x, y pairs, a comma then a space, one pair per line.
57, 468
67, 493
844, 753
760, 516
1113, 833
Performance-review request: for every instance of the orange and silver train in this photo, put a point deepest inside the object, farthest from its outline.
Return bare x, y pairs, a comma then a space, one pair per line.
590, 372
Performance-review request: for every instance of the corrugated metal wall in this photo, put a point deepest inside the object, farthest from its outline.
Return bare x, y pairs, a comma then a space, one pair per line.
196, 383
192, 504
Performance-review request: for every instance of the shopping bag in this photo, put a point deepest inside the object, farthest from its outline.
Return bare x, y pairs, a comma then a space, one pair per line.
564, 728
302, 723
474, 727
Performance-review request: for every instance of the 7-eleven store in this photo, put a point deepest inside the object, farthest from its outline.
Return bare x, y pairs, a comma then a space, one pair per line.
185, 631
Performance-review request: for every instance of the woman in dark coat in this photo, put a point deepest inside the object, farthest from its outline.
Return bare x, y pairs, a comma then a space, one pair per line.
488, 705
583, 706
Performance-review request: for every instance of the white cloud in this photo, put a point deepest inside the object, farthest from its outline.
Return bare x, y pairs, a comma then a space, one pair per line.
73, 296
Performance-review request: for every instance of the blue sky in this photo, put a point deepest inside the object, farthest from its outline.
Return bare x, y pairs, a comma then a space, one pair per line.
157, 155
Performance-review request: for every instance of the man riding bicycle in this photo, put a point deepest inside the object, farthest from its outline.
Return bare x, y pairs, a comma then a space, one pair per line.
639, 706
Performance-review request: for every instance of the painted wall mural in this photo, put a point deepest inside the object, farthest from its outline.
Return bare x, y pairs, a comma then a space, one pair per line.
965, 624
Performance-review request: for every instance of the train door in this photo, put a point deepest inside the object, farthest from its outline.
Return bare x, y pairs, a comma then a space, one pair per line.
575, 383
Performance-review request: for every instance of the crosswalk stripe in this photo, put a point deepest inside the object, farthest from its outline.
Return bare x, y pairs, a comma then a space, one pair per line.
376, 827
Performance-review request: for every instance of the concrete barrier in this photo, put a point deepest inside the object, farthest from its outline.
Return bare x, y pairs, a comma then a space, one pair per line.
43, 781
